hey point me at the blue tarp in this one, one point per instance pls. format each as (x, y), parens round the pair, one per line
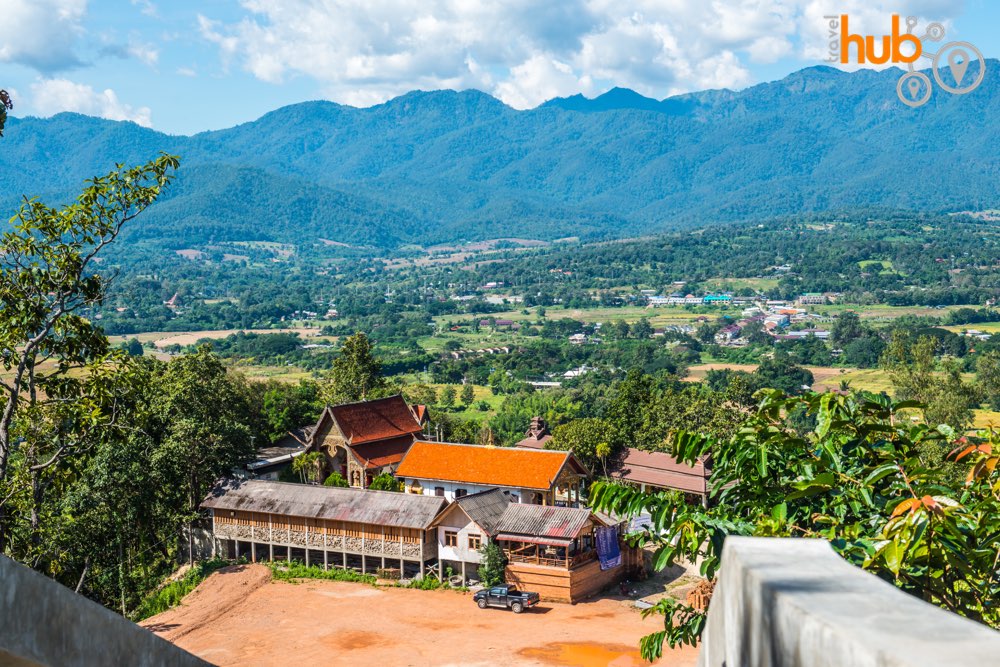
(607, 548)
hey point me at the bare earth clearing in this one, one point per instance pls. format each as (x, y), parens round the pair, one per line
(239, 617)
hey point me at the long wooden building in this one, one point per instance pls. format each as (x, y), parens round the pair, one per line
(327, 526)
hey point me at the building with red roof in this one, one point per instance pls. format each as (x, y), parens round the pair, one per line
(452, 470)
(362, 440)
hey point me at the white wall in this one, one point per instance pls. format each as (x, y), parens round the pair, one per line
(516, 495)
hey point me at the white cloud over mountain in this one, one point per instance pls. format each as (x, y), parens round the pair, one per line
(365, 51)
(50, 96)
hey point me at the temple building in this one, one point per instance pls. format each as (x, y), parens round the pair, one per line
(362, 440)
(451, 471)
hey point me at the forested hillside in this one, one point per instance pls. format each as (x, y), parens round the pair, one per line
(445, 166)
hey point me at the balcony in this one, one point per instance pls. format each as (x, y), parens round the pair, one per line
(796, 603)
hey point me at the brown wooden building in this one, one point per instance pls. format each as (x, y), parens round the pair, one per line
(328, 526)
(552, 550)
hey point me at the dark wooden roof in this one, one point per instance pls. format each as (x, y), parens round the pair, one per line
(378, 508)
(369, 421)
(663, 470)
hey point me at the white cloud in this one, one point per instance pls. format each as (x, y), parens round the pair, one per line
(187, 71)
(51, 96)
(41, 33)
(146, 53)
(365, 51)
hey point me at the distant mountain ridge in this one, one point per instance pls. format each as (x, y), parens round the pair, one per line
(446, 166)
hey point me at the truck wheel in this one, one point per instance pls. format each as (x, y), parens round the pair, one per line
(517, 607)
(482, 603)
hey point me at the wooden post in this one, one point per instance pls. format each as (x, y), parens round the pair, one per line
(326, 559)
(344, 556)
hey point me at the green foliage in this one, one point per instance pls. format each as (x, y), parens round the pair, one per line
(336, 479)
(988, 378)
(5, 105)
(170, 594)
(427, 583)
(492, 564)
(467, 395)
(294, 571)
(857, 479)
(589, 439)
(915, 374)
(447, 396)
(308, 466)
(356, 375)
(386, 482)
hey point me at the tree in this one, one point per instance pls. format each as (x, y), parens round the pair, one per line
(779, 372)
(945, 398)
(307, 466)
(385, 482)
(846, 329)
(5, 105)
(467, 395)
(642, 329)
(134, 348)
(336, 479)
(492, 564)
(356, 375)
(988, 378)
(589, 439)
(856, 479)
(447, 396)
(46, 280)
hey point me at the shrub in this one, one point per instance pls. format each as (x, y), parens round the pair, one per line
(170, 595)
(294, 570)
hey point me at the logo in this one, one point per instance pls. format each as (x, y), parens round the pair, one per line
(950, 64)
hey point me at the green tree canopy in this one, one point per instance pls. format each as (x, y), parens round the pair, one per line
(859, 479)
(356, 375)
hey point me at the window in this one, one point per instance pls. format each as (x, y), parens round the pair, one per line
(439, 491)
(451, 538)
(475, 541)
(461, 493)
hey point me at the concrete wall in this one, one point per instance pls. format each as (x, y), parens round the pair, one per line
(796, 603)
(44, 623)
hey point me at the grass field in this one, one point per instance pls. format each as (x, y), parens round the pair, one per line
(985, 327)
(166, 338)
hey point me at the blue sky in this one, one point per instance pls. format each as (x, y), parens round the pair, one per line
(183, 67)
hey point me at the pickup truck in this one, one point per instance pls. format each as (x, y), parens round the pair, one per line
(505, 596)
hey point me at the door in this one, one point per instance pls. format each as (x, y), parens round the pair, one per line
(497, 597)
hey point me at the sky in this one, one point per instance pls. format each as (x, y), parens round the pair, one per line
(183, 67)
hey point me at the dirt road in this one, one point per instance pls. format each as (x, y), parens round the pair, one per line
(239, 617)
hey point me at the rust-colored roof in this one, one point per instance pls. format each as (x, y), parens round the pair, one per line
(664, 470)
(532, 442)
(369, 421)
(537, 521)
(492, 466)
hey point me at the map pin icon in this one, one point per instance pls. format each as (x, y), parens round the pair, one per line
(914, 87)
(958, 62)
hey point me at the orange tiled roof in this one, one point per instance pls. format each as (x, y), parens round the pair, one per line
(368, 421)
(495, 466)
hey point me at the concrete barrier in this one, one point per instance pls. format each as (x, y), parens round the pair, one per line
(44, 623)
(796, 603)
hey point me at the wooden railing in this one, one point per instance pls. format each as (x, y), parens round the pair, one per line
(522, 556)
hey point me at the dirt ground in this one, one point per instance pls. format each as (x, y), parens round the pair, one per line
(238, 616)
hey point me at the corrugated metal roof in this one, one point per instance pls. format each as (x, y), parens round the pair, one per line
(380, 508)
(543, 521)
(485, 508)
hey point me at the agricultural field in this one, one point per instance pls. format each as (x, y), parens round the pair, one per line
(162, 339)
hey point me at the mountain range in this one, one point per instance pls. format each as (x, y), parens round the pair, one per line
(445, 166)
